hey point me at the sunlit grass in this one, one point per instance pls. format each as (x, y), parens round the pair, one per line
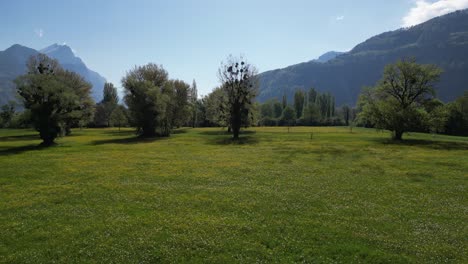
(310, 195)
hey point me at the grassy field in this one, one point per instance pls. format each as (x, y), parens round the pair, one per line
(321, 195)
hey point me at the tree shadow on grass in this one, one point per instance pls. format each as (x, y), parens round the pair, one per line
(130, 140)
(180, 131)
(21, 149)
(429, 144)
(242, 140)
(20, 138)
(120, 133)
(224, 132)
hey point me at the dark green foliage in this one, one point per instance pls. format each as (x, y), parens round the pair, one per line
(346, 110)
(266, 109)
(310, 108)
(216, 108)
(119, 116)
(193, 98)
(7, 113)
(457, 121)
(397, 102)
(144, 97)
(277, 109)
(179, 103)
(288, 117)
(299, 100)
(57, 99)
(156, 104)
(108, 104)
(240, 85)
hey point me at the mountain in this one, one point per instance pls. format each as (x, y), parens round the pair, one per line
(13, 63)
(328, 56)
(442, 41)
(67, 58)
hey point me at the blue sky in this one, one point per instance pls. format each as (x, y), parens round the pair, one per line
(191, 38)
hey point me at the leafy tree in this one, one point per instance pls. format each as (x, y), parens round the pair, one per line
(266, 109)
(299, 99)
(457, 123)
(326, 105)
(181, 111)
(346, 114)
(108, 104)
(277, 109)
(284, 102)
(240, 85)
(194, 104)
(312, 96)
(217, 111)
(311, 114)
(145, 98)
(55, 98)
(110, 101)
(7, 113)
(119, 116)
(396, 103)
(82, 115)
(438, 119)
(288, 116)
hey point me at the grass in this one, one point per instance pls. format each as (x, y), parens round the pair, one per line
(321, 195)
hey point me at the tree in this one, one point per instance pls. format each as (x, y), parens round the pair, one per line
(56, 98)
(181, 112)
(346, 114)
(119, 116)
(284, 102)
(266, 109)
(239, 82)
(457, 123)
(110, 101)
(145, 98)
(311, 114)
(217, 111)
(108, 104)
(82, 115)
(193, 103)
(299, 99)
(396, 103)
(7, 113)
(277, 109)
(288, 116)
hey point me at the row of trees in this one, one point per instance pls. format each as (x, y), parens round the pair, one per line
(308, 108)
(57, 100)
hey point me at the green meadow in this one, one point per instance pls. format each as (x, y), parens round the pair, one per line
(313, 195)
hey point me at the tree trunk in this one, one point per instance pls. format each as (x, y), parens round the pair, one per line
(235, 132)
(397, 135)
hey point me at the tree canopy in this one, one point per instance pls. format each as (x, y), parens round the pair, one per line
(397, 102)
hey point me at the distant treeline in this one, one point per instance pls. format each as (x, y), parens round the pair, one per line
(55, 100)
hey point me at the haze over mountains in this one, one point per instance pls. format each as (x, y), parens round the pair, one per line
(442, 41)
(13, 63)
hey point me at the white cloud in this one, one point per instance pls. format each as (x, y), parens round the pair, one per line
(339, 18)
(425, 10)
(39, 32)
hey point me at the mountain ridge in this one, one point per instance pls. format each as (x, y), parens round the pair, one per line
(13, 63)
(442, 41)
